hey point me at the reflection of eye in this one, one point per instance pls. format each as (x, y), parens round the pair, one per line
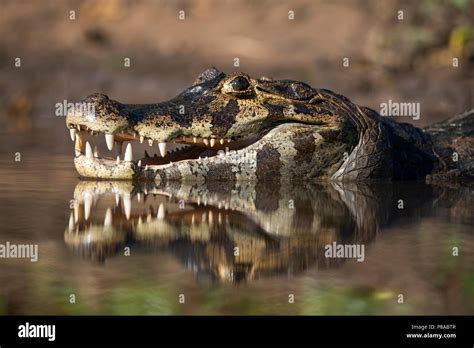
(240, 84)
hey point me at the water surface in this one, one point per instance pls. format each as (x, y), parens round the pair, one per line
(124, 248)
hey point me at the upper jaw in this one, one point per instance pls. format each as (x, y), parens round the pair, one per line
(126, 165)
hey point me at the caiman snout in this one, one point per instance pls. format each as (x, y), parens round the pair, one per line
(98, 113)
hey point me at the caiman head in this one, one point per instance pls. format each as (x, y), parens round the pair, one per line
(229, 127)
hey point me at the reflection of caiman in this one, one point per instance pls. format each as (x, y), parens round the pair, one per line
(233, 234)
(219, 234)
(237, 128)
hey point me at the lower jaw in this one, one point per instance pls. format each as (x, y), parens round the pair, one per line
(98, 168)
(94, 168)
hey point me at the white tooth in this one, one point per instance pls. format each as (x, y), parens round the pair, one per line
(78, 127)
(108, 218)
(194, 140)
(142, 139)
(162, 147)
(148, 218)
(87, 206)
(71, 222)
(219, 218)
(96, 152)
(117, 199)
(139, 197)
(203, 217)
(192, 219)
(117, 162)
(199, 201)
(72, 133)
(127, 205)
(161, 212)
(146, 167)
(76, 212)
(210, 217)
(140, 163)
(221, 141)
(109, 139)
(229, 140)
(78, 145)
(199, 159)
(88, 150)
(205, 141)
(128, 153)
(140, 221)
(213, 142)
(150, 142)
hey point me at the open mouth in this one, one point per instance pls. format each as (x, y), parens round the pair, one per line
(112, 156)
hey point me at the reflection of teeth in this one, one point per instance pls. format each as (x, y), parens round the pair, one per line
(221, 141)
(140, 163)
(117, 199)
(142, 139)
(219, 218)
(109, 139)
(210, 217)
(148, 218)
(150, 142)
(108, 218)
(127, 205)
(128, 153)
(139, 197)
(140, 221)
(205, 141)
(88, 150)
(87, 206)
(213, 142)
(194, 140)
(192, 219)
(162, 148)
(72, 133)
(161, 212)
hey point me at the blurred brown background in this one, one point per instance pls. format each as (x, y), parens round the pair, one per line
(403, 60)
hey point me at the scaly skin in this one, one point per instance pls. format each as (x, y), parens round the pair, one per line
(275, 130)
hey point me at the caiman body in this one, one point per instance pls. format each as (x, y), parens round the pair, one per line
(236, 128)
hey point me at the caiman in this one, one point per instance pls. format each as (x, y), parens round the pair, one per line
(236, 128)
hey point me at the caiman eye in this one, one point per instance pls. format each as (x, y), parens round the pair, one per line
(240, 84)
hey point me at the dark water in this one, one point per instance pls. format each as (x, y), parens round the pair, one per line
(252, 249)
